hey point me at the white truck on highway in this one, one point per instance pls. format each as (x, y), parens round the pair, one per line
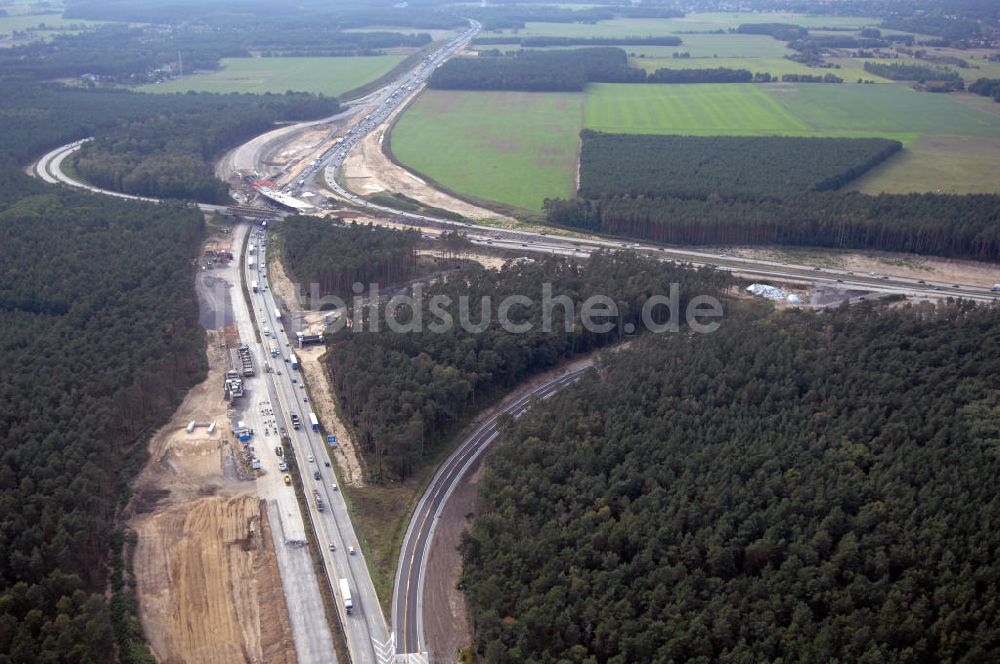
(345, 593)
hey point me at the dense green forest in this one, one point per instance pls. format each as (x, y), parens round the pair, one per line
(100, 343)
(617, 164)
(168, 154)
(334, 257)
(403, 391)
(534, 71)
(116, 53)
(986, 87)
(965, 226)
(780, 31)
(713, 75)
(797, 487)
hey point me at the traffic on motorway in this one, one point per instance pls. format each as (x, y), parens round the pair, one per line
(391, 98)
(367, 634)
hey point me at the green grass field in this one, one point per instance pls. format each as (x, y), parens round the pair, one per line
(516, 148)
(698, 109)
(892, 111)
(329, 76)
(883, 110)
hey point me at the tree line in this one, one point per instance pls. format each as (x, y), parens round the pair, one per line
(404, 392)
(571, 70)
(555, 71)
(634, 165)
(903, 71)
(750, 496)
(515, 16)
(168, 154)
(986, 87)
(542, 42)
(334, 257)
(960, 226)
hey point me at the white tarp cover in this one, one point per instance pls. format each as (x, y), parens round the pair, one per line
(773, 293)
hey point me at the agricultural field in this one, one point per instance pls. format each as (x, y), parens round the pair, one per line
(889, 111)
(329, 76)
(884, 110)
(944, 164)
(516, 148)
(977, 68)
(705, 109)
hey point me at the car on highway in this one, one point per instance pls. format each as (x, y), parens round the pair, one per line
(282, 466)
(351, 550)
(333, 547)
(288, 479)
(312, 459)
(333, 485)
(316, 475)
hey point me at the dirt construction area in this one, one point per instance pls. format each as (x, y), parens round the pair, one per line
(207, 579)
(209, 584)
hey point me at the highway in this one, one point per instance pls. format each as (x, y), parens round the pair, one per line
(408, 589)
(48, 169)
(258, 408)
(368, 638)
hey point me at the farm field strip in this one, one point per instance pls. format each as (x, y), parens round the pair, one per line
(516, 148)
(697, 109)
(322, 75)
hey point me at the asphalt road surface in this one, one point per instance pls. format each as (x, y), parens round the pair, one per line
(368, 638)
(408, 591)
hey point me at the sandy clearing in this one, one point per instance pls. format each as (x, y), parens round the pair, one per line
(210, 584)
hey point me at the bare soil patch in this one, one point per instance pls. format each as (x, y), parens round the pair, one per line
(208, 584)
